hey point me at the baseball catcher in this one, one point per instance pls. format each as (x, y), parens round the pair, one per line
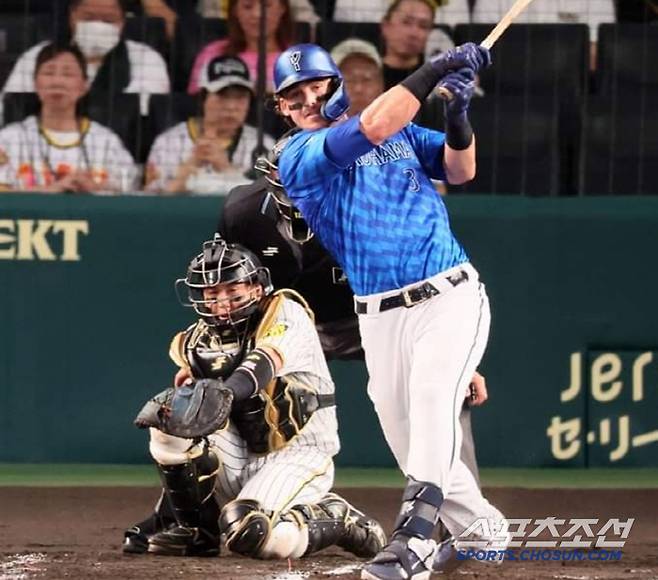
(244, 441)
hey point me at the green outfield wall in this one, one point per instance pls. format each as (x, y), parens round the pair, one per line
(87, 309)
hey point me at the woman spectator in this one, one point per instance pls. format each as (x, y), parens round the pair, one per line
(61, 151)
(112, 64)
(211, 153)
(242, 41)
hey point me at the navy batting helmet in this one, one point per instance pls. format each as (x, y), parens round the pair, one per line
(304, 62)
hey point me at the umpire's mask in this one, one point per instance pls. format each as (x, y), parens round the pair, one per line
(294, 224)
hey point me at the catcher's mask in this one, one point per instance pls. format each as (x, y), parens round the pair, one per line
(293, 223)
(222, 286)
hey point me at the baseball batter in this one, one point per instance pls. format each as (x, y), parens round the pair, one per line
(264, 479)
(363, 185)
(261, 217)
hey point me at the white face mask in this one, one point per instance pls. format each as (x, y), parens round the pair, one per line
(95, 38)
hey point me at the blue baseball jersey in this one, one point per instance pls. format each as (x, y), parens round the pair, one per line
(379, 215)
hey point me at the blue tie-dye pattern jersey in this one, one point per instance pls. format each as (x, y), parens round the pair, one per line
(380, 217)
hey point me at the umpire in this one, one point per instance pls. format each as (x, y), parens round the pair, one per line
(261, 217)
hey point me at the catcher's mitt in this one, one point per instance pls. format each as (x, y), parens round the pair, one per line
(190, 411)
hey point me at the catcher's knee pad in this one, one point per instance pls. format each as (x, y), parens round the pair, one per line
(169, 450)
(246, 525)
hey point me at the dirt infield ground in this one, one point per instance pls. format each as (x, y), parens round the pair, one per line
(76, 533)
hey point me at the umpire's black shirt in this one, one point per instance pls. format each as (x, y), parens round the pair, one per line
(307, 268)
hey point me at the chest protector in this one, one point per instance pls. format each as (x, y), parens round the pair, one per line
(276, 414)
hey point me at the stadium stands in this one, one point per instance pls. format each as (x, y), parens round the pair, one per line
(19, 32)
(627, 58)
(329, 34)
(545, 125)
(191, 35)
(518, 147)
(535, 59)
(619, 152)
(120, 113)
(148, 30)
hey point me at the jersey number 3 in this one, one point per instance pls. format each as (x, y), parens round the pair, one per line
(414, 186)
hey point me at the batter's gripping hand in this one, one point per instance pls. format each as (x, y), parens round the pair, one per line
(337, 104)
(194, 410)
(460, 85)
(469, 55)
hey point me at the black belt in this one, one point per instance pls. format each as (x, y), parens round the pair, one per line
(413, 296)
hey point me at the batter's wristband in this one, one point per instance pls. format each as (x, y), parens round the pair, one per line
(459, 133)
(422, 81)
(254, 374)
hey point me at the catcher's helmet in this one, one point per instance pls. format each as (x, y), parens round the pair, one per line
(294, 224)
(304, 62)
(220, 263)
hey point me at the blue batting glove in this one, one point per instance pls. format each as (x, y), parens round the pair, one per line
(461, 85)
(469, 55)
(337, 104)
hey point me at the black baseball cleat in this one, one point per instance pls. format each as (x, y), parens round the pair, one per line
(183, 541)
(135, 541)
(364, 537)
(136, 538)
(402, 560)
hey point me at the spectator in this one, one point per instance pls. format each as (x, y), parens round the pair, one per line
(242, 41)
(302, 10)
(162, 9)
(453, 12)
(361, 66)
(450, 12)
(591, 12)
(406, 27)
(61, 151)
(202, 155)
(637, 10)
(113, 65)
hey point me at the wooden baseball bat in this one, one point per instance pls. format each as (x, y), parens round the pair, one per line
(516, 9)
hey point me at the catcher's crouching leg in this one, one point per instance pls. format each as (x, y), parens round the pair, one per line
(363, 535)
(302, 530)
(334, 521)
(189, 488)
(248, 528)
(250, 531)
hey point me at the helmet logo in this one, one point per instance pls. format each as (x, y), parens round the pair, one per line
(295, 59)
